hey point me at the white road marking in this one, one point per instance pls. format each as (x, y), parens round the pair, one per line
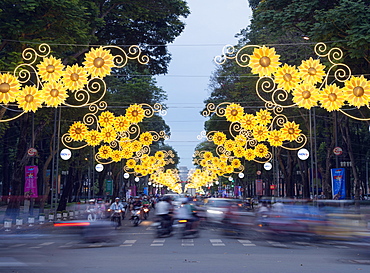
(128, 243)
(276, 244)
(246, 243)
(159, 242)
(216, 242)
(187, 242)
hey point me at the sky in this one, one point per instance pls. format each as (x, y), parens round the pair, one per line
(211, 25)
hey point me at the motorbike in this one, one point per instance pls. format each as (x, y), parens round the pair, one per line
(135, 218)
(146, 211)
(163, 227)
(185, 228)
(116, 217)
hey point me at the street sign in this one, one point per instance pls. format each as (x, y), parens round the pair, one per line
(303, 154)
(32, 152)
(109, 186)
(65, 154)
(337, 151)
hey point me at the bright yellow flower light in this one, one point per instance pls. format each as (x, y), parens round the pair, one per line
(287, 77)
(239, 151)
(263, 117)
(30, 99)
(127, 153)
(261, 150)
(74, 77)
(290, 131)
(306, 95)
(135, 113)
(93, 138)
(106, 119)
(332, 97)
(264, 61)
(234, 112)
(78, 131)
(357, 91)
(260, 133)
(207, 155)
(54, 93)
(249, 154)
(9, 88)
(108, 134)
(50, 69)
(116, 155)
(311, 71)
(236, 163)
(219, 138)
(159, 155)
(131, 163)
(146, 138)
(136, 146)
(275, 138)
(105, 151)
(121, 124)
(248, 121)
(229, 145)
(98, 62)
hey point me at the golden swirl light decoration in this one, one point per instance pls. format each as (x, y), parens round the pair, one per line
(116, 137)
(311, 84)
(253, 134)
(43, 80)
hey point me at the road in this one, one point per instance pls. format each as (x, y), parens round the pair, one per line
(137, 250)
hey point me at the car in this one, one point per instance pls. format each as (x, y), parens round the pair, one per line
(216, 208)
(176, 198)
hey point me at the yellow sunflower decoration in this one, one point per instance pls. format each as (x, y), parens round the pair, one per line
(234, 112)
(93, 138)
(135, 113)
(260, 133)
(219, 138)
(239, 151)
(74, 77)
(121, 124)
(287, 77)
(248, 121)
(108, 134)
(311, 71)
(30, 99)
(236, 163)
(106, 119)
(146, 138)
(159, 155)
(116, 155)
(264, 61)
(306, 96)
(78, 131)
(54, 93)
(131, 163)
(357, 91)
(275, 138)
(229, 145)
(50, 69)
(332, 97)
(290, 131)
(9, 88)
(249, 154)
(98, 62)
(127, 153)
(263, 117)
(136, 145)
(207, 155)
(261, 150)
(105, 151)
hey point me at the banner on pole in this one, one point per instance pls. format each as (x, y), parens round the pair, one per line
(259, 187)
(30, 185)
(338, 183)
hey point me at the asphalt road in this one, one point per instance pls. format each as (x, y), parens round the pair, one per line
(137, 250)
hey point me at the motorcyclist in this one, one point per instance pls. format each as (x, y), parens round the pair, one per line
(188, 212)
(91, 210)
(164, 210)
(137, 204)
(117, 205)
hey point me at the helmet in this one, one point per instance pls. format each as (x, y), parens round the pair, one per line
(117, 198)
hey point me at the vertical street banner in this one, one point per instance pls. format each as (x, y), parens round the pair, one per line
(30, 185)
(259, 187)
(108, 187)
(338, 183)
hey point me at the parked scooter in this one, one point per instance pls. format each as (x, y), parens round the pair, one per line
(135, 218)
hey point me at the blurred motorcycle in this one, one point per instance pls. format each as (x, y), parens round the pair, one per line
(135, 218)
(116, 217)
(146, 211)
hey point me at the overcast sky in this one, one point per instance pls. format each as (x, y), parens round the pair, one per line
(211, 25)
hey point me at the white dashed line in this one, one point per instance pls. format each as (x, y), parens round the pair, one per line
(158, 242)
(187, 242)
(128, 243)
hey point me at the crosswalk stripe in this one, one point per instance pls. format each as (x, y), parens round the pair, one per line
(158, 242)
(276, 244)
(216, 242)
(187, 242)
(246, 243)
(128, 243)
